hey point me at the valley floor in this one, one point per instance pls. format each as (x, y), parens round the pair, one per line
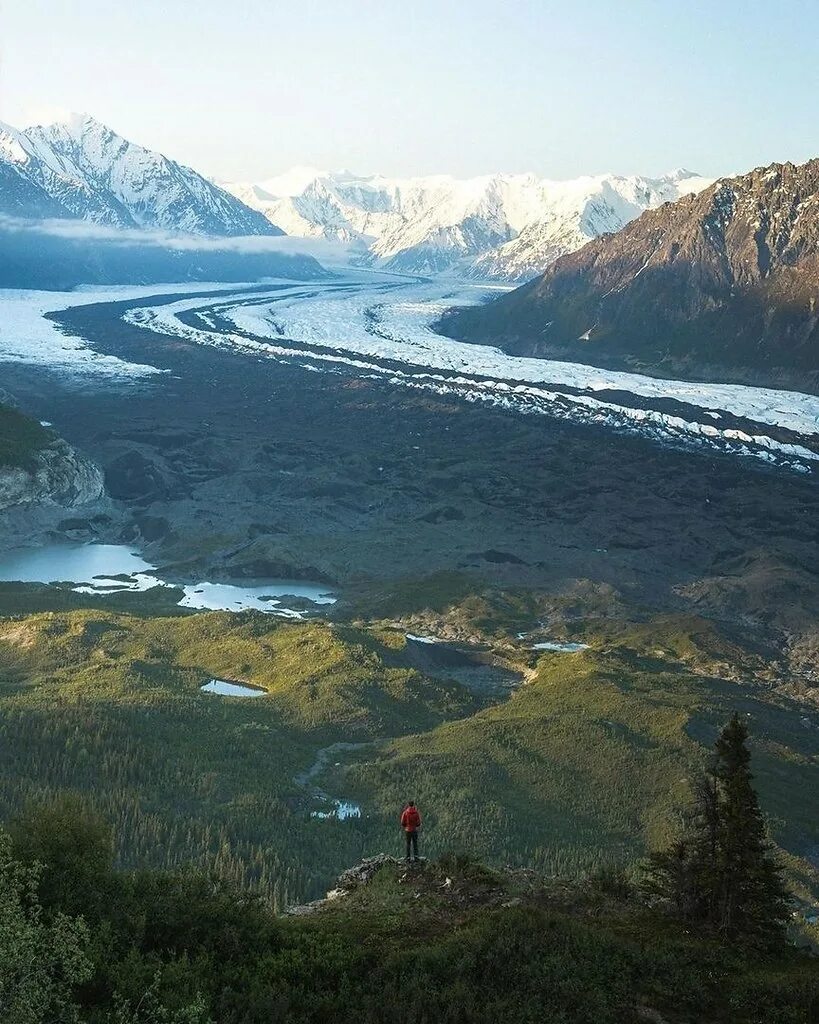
(367, 324)
(436, 499)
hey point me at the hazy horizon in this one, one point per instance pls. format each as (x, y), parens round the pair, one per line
(466, 89)
(57, 116)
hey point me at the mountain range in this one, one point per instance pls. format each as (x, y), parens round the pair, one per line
(497, 226)
(677, 275)
(82, 169)
(503, 226)
(723, 284)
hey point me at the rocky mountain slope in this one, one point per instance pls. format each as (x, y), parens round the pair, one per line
(496, 226)
(58, 476)
(720, 284)
(82, 169)
(38, 467)
(20, 194)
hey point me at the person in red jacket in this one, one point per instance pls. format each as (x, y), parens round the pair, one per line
(411, 824)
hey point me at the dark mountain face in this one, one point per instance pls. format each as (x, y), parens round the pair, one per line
(31, 257)
(20, 197)
(721, 284)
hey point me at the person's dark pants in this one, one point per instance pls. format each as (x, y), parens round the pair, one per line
(412, 844)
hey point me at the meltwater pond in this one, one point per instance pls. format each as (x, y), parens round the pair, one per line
(342, 810)
(225, 689)
(560, 646)
(264, 598)
(60, 563)
(116, 569)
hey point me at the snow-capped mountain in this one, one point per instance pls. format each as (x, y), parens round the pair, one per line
(496, 226)
(577, 211)
(718, 285)
(21, 194)
(79, 168)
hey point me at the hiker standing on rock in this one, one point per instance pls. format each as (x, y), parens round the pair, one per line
(411, 824)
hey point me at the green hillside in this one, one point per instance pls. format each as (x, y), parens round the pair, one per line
(109, 706)
(585, 764)
(20, 438)
(588, 762)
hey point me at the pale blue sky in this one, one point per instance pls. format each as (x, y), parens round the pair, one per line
(244, 89)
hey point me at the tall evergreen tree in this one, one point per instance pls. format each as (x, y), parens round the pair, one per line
(722, 873)
(41, 958)
(752, 901)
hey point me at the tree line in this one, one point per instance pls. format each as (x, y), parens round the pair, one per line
(705, 935)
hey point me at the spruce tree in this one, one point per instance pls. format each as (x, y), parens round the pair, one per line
(670, 875)
(721, 873)
(751, 900)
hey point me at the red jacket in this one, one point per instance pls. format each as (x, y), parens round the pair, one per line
(410, 819)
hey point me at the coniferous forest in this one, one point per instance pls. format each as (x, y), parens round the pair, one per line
(698, 931)
(409, 572)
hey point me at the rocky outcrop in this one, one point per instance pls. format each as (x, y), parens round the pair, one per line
(348, 881)
(723, 283)
(56, 475)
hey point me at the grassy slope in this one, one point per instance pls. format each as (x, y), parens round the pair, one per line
(586, 763)
(20, 438)
(109, 705)
(458, 943)
(558, 952)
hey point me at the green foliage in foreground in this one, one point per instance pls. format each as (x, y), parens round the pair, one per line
(20, 438)
(721, 873)
(109, 706)
(42, 956)
(586, 764)
(453, 942)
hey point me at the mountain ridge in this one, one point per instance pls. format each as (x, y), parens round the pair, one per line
(725, 282)
(81, 169)
(499, 226)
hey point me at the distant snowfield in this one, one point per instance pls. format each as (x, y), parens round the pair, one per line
(27, 337)
(379, 325)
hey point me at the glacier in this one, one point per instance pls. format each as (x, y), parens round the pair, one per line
(375, 325)
(381, 326)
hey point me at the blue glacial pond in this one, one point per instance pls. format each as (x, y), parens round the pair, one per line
(116, 569)
(562, 647)
(225, 689)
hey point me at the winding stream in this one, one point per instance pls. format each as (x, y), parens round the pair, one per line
(337, 808)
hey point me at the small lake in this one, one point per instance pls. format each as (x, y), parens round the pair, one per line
(226, 689)
(474, 668)
(264, 598)
(116, 569)
(563, 648)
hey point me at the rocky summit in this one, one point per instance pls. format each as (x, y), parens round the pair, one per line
(80, 168)
(719, 285)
